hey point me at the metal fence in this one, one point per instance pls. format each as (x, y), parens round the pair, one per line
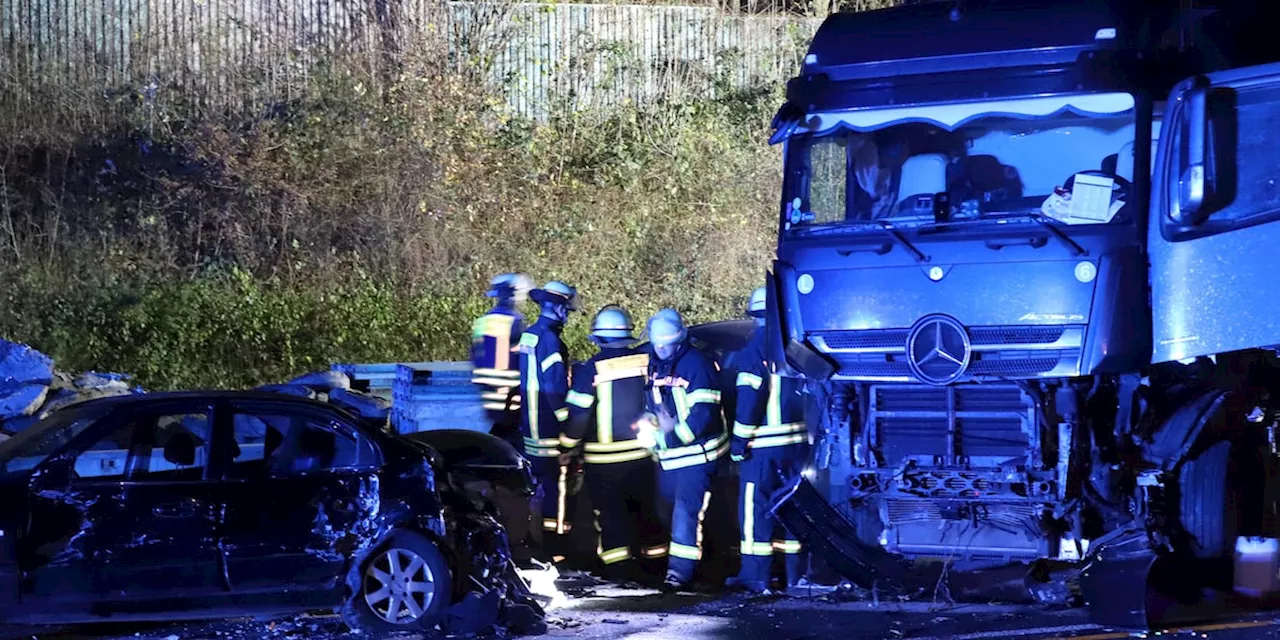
(541, 55)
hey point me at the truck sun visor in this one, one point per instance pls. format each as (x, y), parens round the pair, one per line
(952, 116)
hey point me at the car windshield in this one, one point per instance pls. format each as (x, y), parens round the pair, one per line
(1069, 158)
(34, 444)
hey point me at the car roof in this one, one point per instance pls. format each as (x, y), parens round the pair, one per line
(164, 397)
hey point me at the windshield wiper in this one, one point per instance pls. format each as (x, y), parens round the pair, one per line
(902, 240)
(1052, 228)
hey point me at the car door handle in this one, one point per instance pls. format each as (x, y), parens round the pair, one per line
(181, 509)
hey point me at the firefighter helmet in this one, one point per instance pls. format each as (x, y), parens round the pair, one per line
(613, 323)
(556, 292)
(510, 285)
(666, 328)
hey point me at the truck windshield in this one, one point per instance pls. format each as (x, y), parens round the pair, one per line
(1070, 158)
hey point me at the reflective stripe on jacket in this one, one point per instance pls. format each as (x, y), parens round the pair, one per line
(605, 405)
(770, 408)
(688, 387)
(495, 360)
(544, 379)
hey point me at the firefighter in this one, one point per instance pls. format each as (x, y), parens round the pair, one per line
(605, 404)
(495, 340)
(685, 428)
(544, 384)
(770, 443)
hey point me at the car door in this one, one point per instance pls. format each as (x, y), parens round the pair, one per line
(1213, 249)
(126, 518)
(302, 492)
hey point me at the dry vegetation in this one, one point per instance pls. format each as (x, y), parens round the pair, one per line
(360, 219)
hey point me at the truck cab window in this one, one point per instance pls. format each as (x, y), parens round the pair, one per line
(992, 160)
(1242, 190)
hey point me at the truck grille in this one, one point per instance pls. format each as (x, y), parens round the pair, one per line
(950, 423)
(897, 338)
(998, 351)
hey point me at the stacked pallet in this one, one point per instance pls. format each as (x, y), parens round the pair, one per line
(439, 395)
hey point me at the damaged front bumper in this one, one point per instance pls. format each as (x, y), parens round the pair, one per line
(829, 535)
(491, 589)
(1126, 581)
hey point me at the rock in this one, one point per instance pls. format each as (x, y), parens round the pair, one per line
(288, 389)
(323, 381)
(93, 380)
(362, 404)
(22, 364)
(18, 399)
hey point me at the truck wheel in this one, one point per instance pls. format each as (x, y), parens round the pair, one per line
(404, 584)
(1208, 503)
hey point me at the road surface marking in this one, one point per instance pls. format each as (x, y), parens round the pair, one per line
(1014, 633)
(1226, 626)
(1059, 632)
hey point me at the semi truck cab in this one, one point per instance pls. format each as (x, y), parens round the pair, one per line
(1023, 256)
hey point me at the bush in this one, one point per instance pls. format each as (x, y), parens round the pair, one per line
(361, 220)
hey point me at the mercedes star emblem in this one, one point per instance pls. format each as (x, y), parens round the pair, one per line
(938, 350)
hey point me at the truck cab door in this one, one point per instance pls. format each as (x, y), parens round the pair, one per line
(1214, 232)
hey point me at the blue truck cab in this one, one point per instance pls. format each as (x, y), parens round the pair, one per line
(1026, 257)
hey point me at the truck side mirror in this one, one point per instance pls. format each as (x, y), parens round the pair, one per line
(1191, 179)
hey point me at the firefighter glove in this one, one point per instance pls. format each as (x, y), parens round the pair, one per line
(738, 450)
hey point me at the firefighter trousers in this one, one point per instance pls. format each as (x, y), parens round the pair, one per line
(686, 494)
(624, 497)
(760, 475)
(553, 515)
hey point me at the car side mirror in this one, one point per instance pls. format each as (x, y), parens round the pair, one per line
(1191, 177)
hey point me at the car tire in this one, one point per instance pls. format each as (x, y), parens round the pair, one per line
(1208, 510)
(404, 584)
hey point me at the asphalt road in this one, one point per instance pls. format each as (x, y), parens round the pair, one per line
(646, 615)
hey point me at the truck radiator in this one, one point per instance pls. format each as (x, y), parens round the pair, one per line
(951, 424)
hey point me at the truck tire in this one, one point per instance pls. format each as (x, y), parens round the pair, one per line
(1208, 510)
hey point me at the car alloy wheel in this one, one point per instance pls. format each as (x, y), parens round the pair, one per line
(399, 586)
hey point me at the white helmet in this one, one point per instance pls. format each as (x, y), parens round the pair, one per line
(755, 308)
(666, 328)
(556, 292)
(613, 323)
(510, 285)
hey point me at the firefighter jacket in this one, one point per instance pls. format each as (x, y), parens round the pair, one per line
(770, 408)
(605, 404)
(544, 381)
(688, 387)
(495, 361)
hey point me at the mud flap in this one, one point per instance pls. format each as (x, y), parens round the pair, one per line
(1128, 585)
(828, 535)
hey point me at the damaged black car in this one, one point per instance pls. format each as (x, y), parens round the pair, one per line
(219, 504)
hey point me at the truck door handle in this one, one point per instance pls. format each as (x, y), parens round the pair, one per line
(878, 249)
(180, 509)
(1035, 242)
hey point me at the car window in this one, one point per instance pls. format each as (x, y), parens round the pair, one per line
(150, 447)
(33, 445)
(283, 444)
